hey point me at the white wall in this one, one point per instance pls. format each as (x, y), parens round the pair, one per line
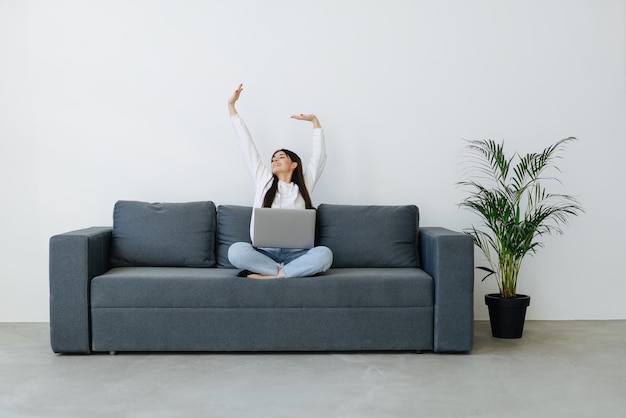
(108, 100)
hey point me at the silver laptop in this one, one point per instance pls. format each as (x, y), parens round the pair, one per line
(283, 228)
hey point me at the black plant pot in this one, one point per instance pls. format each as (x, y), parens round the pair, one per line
(507, 315)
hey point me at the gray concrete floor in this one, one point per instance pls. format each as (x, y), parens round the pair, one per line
(558, 369)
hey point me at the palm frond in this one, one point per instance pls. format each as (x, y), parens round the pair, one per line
(515, 207)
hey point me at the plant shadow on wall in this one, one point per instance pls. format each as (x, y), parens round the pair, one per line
(511, 197)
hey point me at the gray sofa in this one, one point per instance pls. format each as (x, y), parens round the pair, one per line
(160, 280)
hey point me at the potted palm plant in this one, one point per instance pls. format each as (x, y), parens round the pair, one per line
(516, 210)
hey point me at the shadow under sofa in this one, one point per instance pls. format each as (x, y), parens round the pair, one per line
(160, 280)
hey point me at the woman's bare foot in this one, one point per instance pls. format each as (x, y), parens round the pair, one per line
(261, 276)
(279, 275)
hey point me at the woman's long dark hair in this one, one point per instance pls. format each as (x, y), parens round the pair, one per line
(297, 178)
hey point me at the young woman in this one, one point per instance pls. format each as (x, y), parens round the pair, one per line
(285, 185)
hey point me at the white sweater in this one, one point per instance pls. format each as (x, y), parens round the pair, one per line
(288, 194)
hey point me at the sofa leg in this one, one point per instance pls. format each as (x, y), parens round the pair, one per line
(419, 351)
(112, 353)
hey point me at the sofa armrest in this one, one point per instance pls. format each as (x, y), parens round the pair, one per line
(75, 258)
(448, 256)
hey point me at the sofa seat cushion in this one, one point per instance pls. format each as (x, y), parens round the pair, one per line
(167, 287)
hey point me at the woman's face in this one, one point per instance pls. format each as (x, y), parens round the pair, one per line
(282, 163)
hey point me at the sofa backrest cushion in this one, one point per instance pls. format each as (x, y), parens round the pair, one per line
(163, 234)
(233, 225)
(369, 236)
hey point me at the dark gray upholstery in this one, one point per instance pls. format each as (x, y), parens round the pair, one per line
(160, 287)
(163, 234)
(260, 329)
(233, 225)
(94, 307)
(454, 286)
(369, 236)
(75, 258)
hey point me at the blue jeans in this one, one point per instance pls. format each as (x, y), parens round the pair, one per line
(267, 261)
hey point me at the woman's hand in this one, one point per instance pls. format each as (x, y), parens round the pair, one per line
(310, 118)
(233, 99)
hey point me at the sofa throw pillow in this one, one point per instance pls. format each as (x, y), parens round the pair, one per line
(163, 234)
(233, 225)
(369, 236)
